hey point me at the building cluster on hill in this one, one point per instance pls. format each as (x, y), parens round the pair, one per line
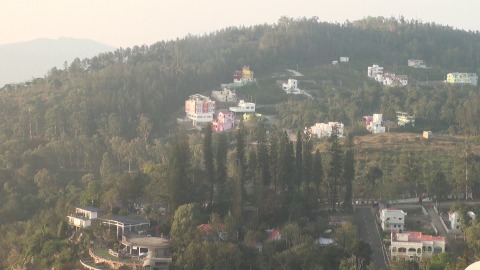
(408, 245)
(462, 78)
(376, 73)
(202, 110)
(137, 249)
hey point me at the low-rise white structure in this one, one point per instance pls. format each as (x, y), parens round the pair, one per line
(390, 79)
(462, 78)
(416, 63)
(374, 124)
(344, 59)
(322, 130)
(375, 72)
(415, 246)
(291, 87)
(243, 107)
(83, 216)
(456, 222)
(226, 95)
(392, 219)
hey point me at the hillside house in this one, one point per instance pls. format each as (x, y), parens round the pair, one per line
(199, 109)
(344, 59)
(390, 79)
(416, 63)
(226, 95)
(83, 216)
(375, 72)
(374, 124)
(392, 219)
(243, 107)
(456, 222)
(415, 246)
(125, 224)
(291, 87)
(155, 251)
(322, 130)
(404, 119)
(462, 78)
(224, 122)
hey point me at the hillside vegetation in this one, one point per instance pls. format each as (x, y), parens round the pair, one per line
(99, 132)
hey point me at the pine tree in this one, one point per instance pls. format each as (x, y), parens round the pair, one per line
(349, 172)
(335, 167)
(307, 161)
(221, 166)
(298, 160)
(317, 172)
(208, 160)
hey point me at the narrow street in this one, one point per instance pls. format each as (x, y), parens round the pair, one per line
(369, 233)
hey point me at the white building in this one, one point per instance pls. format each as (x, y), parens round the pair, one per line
(416, 63)
(226, 95)
(291, 87)
(374, 124)
(462, 78)
(83, 216)
(415, 245)
(322, 130)
(392, 219)
(455, 222)
(390, 79)
(344, 59)
(199, 109)
(375, 72)
(243, 107)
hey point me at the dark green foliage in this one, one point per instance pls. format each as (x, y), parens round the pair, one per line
(348, 172)
(335, 169)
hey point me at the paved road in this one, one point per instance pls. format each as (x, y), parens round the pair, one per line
(368, 232)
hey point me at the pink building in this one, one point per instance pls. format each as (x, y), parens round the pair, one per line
(199, 109)
(223, 122)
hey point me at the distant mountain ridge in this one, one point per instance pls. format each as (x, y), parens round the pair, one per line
(23, 61)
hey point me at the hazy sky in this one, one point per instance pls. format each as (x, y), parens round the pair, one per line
(123, 23)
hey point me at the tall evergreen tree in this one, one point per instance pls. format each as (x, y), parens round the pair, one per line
(179, 181)
(221, 165)
(317, 172)
(335, 167)
(263, 156)
(208, 160)
(298, 160)
(307, 161)
(349, 172)
(273, 152)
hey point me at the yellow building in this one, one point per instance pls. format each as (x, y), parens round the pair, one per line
(247, 74)
(462, 78)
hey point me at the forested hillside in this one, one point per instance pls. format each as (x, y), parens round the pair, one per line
(101, 132)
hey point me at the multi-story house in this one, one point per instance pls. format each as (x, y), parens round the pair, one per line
(224, 122)
(374, 123)
(462, 78)
(392, 219)
(199, 109)
(83, 216)
(322, 130)
(226, 95)
(243, 107)
(415, 245)
(375, 72)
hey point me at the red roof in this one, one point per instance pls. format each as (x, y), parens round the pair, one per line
(274, 235)
(416, 237)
